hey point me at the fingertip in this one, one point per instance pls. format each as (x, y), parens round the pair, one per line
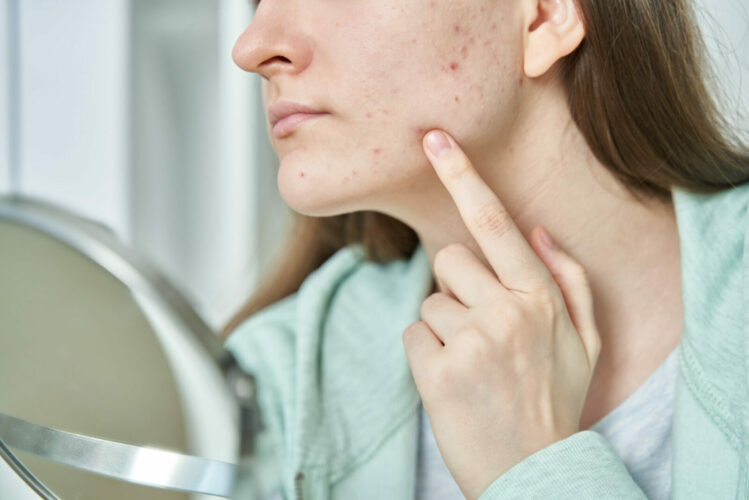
(547, 240)
(437, 143)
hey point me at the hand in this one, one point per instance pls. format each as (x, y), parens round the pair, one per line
(503, 361)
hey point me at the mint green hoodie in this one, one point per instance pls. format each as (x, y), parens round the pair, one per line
(340, 408)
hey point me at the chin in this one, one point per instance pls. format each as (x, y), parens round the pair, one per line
(307, 192)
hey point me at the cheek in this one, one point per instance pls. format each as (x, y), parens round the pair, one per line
(402, 81)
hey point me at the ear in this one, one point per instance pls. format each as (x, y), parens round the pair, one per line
(554, 29)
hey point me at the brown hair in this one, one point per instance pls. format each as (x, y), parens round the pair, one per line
(637, 91)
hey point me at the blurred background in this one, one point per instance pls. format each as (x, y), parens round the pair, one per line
(132, 113)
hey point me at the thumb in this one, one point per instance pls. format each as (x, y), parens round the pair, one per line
(572, 280)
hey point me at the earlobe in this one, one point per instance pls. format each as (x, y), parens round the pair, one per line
(555, 31)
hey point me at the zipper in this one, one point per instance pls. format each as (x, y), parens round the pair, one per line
(298, 484)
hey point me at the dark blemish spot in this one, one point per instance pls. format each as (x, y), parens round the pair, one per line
(520, 81)
(353, 172)
(457, 99)
(463, 50)
(453, 66)
(420, 131)
(457, 29)
(369, 115)
(494, 26)
(486, 43)
(471, 40)
(346, 179)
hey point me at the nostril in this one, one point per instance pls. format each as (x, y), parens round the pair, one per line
(279, 58)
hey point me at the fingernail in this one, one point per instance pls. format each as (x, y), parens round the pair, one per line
(438, 143)
(546, 237)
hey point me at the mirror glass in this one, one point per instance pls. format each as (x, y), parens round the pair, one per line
(93, 346)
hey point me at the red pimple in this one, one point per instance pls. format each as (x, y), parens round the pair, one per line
(453, 66)
(457, 29)
(345, 179)
(463, 50)
(376, 151)
(369, 115)
(494, 26)
(301, 174)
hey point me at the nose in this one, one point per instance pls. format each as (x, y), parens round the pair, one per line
(273, 43)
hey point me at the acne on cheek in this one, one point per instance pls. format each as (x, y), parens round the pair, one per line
(346, 178)
(460, 32)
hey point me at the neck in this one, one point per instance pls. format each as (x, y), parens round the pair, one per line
(545, 174)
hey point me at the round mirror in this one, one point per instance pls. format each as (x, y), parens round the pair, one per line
(111, 386)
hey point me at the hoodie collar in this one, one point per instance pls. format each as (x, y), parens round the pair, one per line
(354, 384)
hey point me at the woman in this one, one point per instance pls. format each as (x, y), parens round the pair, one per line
(418, 337)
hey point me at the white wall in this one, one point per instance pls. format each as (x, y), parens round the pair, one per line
(255, 214)
(73, 136)
(204, 203)
(6, 45)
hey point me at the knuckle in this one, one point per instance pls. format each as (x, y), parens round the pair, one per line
(577, 272)
(475, 346)
(412, 329)
(513, 318)
(447, 255)
(493, 219)
(429, 303)
(455, 170)
(578, 269)
(548, 299)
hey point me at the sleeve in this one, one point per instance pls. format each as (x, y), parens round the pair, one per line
(259, 476)
(264, 347)
(581, 466)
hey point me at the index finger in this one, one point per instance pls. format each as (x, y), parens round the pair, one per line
(514, 261)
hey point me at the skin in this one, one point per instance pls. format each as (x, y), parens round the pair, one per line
(388, 71)
(502, 361)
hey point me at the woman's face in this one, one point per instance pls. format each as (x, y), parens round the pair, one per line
(385, 71)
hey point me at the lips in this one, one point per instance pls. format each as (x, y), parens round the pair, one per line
(282, 109)
(285, 116)
(287, 125)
